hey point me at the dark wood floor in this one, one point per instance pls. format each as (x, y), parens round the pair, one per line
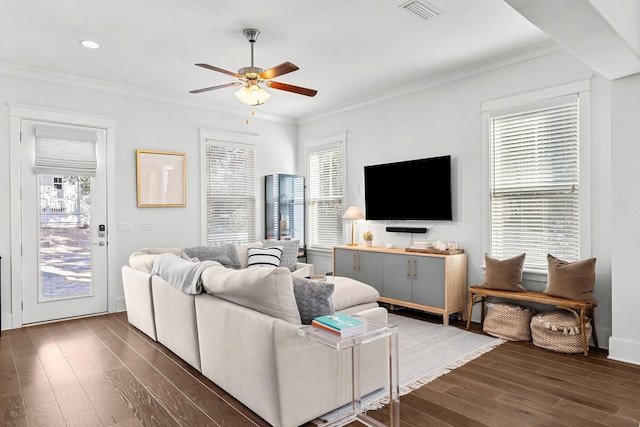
(102, 371)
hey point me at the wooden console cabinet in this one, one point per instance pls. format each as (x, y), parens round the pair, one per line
(433, 283)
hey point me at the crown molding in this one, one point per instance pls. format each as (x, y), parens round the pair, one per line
(87, 83)
(522, 55)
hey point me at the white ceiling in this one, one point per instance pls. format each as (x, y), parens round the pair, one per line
(346, 49)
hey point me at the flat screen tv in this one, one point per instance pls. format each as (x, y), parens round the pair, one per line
(410, 190)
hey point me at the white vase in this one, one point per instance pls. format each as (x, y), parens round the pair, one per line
(368, 242)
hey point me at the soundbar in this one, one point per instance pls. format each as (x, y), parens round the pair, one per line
(407, 229)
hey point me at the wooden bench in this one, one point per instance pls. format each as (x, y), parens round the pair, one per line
(580, 309)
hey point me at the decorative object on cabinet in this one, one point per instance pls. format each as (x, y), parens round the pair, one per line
(353, 213)
(368, 238)
(161, 179)
(284, 208)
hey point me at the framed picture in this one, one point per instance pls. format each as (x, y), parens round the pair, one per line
(161, 179)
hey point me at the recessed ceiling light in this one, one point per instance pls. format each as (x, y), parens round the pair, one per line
(90, 44)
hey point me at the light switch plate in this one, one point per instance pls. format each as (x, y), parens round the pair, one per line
(125, 226)
(148, 226)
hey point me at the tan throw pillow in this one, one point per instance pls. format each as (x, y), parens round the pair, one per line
(505, 275)
(572, 280)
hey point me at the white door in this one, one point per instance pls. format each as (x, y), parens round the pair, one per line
(64, 236)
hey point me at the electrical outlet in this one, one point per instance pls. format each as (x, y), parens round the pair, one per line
(125, 226)
(148, 226)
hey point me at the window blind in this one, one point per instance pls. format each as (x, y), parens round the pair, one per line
(535, 184)
(65, 151)
(230, 189)
(325, 168)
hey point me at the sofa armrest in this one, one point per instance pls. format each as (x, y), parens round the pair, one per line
(303, 270)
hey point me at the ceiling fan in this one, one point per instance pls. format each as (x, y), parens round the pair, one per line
(251, 78)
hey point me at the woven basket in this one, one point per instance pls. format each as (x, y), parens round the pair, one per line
(558, 330)
(508, 321)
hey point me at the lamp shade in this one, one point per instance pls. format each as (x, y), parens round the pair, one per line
(353, 213)
(252, 94)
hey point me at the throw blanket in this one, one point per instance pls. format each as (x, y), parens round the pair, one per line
(184, 275)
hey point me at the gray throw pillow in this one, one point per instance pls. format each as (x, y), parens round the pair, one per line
(313, 298)
(225, 254)
(289, 252)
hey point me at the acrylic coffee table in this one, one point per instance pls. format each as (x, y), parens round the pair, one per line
(373, 332)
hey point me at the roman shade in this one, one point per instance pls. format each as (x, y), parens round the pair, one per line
(65, 150)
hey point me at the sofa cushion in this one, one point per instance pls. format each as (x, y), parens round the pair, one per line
(224, 254)
(242, 252)
(313, 298)
(573, 280)
(504, 274)
(144, 258)
(264, 257)
(266, 290)
(289, 252)
(348, 292)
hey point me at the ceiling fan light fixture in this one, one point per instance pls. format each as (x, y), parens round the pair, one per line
(252, 94)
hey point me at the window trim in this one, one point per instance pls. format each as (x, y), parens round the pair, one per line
(522, 100)
(337, 140)
(231, 139)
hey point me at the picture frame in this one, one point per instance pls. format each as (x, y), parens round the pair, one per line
(161, 179)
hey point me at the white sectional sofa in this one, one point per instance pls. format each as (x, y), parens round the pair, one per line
(242, 334)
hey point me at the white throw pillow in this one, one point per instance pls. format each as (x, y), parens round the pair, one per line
(264, 257)
(242, 252)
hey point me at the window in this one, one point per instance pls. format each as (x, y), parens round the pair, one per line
(535, 184)
(230, 188)
(325, 177)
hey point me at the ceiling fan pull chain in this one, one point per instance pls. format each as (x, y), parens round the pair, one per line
(253, 113)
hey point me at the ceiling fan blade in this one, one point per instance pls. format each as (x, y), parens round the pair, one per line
(278, 70)
(291, 88)
(206, 89)
(220, 70)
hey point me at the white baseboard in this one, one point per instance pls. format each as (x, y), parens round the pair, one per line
(624, 350)
(121, 305)
(7, 321)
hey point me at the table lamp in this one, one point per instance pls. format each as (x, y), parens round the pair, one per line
(352, 213)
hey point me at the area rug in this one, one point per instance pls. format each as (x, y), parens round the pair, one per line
(427, 351)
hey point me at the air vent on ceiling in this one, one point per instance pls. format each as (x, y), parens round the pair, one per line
(424, 10)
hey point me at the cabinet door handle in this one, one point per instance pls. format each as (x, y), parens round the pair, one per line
(358, 262)
(415, 268)
(408, 267)
(353, 261)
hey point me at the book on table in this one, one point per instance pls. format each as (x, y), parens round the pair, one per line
(341, 324)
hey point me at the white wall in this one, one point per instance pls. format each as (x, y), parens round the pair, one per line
(446, 119)
(141, 123)
(625, 101)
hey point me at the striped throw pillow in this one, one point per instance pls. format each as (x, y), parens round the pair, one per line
(264, 257)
